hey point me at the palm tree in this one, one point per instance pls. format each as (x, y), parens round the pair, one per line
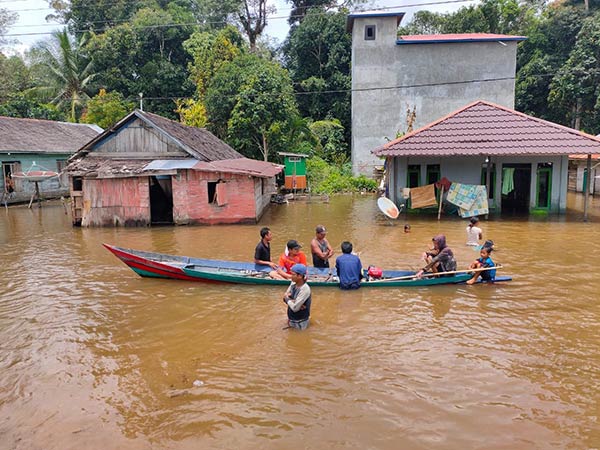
(67, 72)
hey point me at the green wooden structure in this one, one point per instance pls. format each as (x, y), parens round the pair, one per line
(295, 171)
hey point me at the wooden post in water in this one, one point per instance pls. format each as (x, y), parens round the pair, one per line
(488, 178)
(586, 188)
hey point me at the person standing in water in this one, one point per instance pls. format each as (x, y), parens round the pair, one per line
(474, 233)
(298, 298)
(320, 248)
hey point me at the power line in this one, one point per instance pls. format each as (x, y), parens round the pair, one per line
(203, 23)
(370, 89)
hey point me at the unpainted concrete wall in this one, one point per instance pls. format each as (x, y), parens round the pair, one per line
(433, 79)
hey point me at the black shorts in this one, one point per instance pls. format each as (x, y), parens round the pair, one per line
(486, 275)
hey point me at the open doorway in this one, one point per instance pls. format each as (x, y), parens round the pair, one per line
(161, 200)
(516, 188)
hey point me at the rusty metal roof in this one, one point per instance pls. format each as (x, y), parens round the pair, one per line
(484, 128)
(43, 136)
(243, 166)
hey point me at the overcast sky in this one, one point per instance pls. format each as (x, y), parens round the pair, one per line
(32, 25)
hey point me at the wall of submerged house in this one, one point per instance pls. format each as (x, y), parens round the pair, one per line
(539, 182)
(16, 162)
(263, 189)
(115, 202)
(211, 198)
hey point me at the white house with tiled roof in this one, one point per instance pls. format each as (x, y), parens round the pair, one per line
(392, 77)
(462, 145)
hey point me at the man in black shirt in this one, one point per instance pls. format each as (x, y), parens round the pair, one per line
(262, 253)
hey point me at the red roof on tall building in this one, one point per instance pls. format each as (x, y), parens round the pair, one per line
(456, 38)
(483, 128)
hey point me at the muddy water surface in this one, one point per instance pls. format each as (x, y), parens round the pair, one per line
(93, 356)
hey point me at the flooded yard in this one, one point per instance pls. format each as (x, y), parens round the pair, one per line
(93, 356)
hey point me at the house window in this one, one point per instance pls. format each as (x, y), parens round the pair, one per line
(369, 32)
(8, 168)
(77, 183)
(413, 176)
(433, 173)
(544, 185)
(492, 179)
(212, 191)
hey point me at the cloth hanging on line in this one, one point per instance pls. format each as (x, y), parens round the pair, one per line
(444, 183)
(508, 180)
(423, 196)
(462, 195)
(479, 206)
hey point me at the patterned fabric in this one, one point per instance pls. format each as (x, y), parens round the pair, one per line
(479, 206)
(421, 197)
(462, 195)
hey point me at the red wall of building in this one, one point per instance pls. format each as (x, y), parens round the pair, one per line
(190, 198)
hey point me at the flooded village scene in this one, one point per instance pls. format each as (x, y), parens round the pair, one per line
(375, 229)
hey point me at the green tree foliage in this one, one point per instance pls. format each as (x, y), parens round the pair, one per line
(146, 56)
(106, 109)
(19, 105)
(210, 51)
(7, 18)
(317, 54)
(246, 99)
(252, 16)
(539, 58)
(67, 73)
(332, 146)
(576, 87)
(15, 76)
(301, 7)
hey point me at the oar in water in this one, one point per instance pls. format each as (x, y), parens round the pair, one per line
(433, 274)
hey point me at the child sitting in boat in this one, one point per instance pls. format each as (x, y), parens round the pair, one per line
(483, 261)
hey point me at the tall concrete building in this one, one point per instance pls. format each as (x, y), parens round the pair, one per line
(425, 76)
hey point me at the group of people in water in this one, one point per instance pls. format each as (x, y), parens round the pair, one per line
(293, 265)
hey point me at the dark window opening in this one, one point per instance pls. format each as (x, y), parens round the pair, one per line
(413, 178)
(433, 173)
(544, 185)
(212, 191)
(77, 183)
(369, 32)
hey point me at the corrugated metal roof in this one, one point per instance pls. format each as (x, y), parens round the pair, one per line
(243, 166)
(43, 136)
(456, 38)
(170, 164)
(483, 128)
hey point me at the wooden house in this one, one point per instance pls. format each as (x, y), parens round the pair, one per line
(46, 143)
(522, 160)
(148, 170)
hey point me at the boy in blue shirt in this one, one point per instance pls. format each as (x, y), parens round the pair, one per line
(484, 260)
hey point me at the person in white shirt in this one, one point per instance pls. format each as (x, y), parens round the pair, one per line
(474, 233)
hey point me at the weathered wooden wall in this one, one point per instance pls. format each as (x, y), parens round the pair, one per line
(136, 137)
(116, 202)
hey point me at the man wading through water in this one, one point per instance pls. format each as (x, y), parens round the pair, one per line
(298, 299)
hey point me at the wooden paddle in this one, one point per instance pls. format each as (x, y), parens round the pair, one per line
(433, 274)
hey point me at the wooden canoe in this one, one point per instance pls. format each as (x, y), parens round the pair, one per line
(161, 265)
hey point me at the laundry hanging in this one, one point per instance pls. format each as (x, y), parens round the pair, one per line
(423, 196)
(508, 180)
(479, 206)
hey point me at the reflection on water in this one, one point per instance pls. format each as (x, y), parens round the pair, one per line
(92, 355)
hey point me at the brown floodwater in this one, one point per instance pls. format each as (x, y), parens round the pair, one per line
(93, 356)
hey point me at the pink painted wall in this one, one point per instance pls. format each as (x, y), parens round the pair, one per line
(126, 201)
(116, 202)
(190, 199)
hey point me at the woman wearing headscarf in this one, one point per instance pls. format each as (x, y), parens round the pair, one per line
(440, 259)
